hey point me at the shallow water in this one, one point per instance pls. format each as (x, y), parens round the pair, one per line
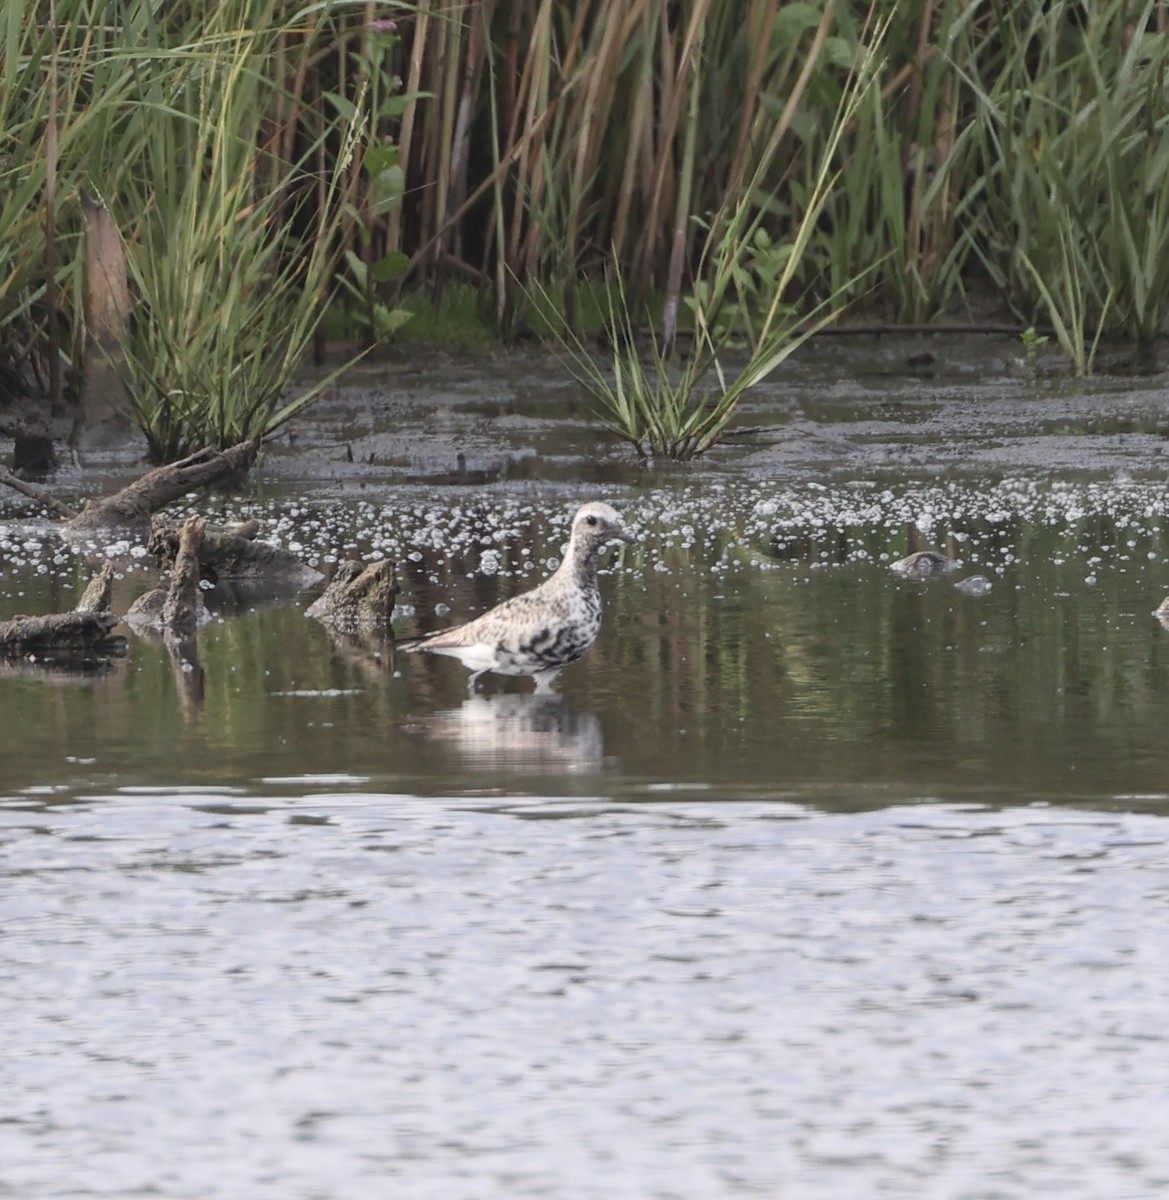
(813, 881)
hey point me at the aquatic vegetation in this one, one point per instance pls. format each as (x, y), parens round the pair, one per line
(229, 261)
(1006, 154)
(1074, 215)
(231, 225)
(741, 295)
(894, 228)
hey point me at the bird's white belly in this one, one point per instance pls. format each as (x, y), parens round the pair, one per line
(477, 657)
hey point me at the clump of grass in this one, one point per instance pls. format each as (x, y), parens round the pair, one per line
(679, 406)
(229, 263)
(459, 317)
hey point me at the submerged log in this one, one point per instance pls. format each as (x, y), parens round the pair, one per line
(360, 596)
(84, 632)
(71, 631)
(232, 553)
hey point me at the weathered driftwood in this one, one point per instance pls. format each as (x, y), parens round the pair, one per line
(97, 594)
(184, 601)
(360, 596)
(231, 553)
(41, 495)
(177, 608)
(132, 507)
(175, 613)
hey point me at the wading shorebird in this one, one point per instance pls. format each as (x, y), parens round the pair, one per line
(540, 632)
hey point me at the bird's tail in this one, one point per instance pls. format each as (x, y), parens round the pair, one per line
(409, 644)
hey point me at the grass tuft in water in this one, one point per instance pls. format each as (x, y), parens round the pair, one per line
(678, 403)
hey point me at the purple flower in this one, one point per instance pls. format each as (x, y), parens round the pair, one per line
(383, 25)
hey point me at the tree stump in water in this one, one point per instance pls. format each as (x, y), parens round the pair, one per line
(178, 608)
(360, 596)
(32, 447)
(356, 608)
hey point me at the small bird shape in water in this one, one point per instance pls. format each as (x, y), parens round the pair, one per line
(542, 631)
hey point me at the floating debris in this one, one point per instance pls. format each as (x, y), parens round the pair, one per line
(925, 564)
(973, 585)
(75, 638)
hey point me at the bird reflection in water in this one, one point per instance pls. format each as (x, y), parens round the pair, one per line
(533, 731)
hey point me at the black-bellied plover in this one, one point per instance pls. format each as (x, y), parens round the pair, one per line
(542, 631)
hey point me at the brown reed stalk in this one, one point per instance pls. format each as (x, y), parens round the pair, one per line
(409, 119)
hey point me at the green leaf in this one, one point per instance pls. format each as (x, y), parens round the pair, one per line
(387, 187)
(344, 106)
(392, 266)
(395, 106)
(380, 158)
(389, 320)
(356, 268)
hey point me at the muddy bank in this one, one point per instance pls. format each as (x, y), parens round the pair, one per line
(849, 407)
(846, 408)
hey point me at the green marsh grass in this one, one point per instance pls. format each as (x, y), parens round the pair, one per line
(228, 290)
(1074, 212)
(554, 145)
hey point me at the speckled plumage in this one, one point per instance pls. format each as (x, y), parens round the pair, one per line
(542, 631)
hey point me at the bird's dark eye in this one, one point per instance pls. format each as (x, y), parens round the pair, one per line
(590, 520)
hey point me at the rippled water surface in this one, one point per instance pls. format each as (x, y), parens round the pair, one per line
(813, 881)
(351, 994)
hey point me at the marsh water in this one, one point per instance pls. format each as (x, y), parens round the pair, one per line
(811, 881)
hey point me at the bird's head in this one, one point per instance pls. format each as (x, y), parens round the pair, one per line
(597, 523)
